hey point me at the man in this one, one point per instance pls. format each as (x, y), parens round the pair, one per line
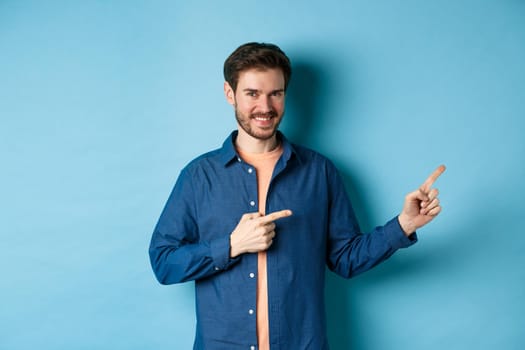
(255, 222)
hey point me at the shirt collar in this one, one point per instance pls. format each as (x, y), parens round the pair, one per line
(228, 153)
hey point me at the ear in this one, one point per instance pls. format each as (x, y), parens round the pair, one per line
(229, 93)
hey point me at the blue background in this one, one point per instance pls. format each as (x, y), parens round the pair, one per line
(103, 102)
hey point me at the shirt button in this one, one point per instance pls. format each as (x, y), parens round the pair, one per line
(252, 203)
(216, 268)
(239, 159)
(252, 275)
(250, 170)
(250, 312)
(252, 347)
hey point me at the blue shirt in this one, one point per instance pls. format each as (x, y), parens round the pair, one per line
(191, 241)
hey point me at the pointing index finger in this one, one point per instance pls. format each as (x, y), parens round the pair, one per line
(276, 215)
(432, 178)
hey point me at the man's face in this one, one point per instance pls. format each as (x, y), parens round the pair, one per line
(258, 101)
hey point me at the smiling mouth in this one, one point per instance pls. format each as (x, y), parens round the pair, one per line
(262, 119)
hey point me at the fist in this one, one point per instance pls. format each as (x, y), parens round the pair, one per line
(254, 232)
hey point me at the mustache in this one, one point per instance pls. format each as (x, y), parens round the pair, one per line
(269, 114)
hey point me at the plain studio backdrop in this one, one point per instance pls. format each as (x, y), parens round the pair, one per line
(103, 102)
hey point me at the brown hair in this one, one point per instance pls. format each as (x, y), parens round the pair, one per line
(258, 56)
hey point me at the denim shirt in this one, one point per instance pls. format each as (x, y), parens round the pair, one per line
(191, 241)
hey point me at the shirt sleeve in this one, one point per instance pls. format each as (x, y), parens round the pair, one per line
(176, 252)
(351, 252)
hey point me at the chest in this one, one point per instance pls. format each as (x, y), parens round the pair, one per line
(225, 195)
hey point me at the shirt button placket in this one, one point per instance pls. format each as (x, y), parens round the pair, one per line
(250, 171)
(252, 275)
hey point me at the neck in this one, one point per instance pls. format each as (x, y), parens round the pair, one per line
(251, 144)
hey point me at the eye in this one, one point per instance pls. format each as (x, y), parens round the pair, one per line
(277, 93)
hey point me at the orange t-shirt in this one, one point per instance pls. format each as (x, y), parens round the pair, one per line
(264, 163)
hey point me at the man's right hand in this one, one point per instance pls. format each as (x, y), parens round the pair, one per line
(255, 232)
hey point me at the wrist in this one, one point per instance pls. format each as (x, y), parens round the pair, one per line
(406, 224)
(233, 247)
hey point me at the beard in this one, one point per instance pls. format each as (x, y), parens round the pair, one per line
(258, 133)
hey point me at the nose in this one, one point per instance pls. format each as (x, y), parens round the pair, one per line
(264, 104)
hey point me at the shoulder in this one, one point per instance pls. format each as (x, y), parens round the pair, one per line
(311, 157)
(214, 159)
(206, 160)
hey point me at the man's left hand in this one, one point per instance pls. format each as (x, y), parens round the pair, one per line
(422, 205)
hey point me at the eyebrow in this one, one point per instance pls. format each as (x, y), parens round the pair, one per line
(259, 91)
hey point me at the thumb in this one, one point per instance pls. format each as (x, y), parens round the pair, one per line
(250, 216)
(416, 196)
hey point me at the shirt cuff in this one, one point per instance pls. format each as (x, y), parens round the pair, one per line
(220, 253)
(396, 236)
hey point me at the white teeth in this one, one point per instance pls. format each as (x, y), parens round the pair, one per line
(262, 119)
